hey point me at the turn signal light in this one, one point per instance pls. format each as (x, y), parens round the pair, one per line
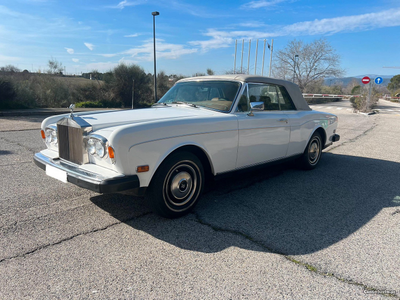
(110, 152)
(142, 169)
(43, 134)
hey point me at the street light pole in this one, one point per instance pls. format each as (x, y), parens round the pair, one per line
(155, 13)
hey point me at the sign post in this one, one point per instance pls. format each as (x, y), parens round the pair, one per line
(366, 80)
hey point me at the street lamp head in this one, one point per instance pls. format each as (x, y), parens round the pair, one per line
(155, 13)
(296, 56)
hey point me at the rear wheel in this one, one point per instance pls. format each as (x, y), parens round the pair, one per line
(176, 185)
(312, 154)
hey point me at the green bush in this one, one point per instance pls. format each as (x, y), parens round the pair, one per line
(89, 104)
(7, 93)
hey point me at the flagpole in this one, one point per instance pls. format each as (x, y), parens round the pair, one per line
(270, 58)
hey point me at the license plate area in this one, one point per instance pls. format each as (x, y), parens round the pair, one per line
(56, 173)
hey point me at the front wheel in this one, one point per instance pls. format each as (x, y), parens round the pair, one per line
(312, 154)
(176, 185)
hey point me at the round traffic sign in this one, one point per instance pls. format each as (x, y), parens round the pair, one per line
(365, 80)
(378, 80)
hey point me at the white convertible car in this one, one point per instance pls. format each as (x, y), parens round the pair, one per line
(202, 127)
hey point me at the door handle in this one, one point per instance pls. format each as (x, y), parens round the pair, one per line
(283, 120)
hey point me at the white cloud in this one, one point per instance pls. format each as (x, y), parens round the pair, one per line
(70, 50)
(131, 35)
(387, 18)
(75, 60)
(4, 59)
(90, 46)
(121, 5)
(164, 50)
(222, 39)
(261, 4)
(252, 24)
(109, 55)
(219, 39)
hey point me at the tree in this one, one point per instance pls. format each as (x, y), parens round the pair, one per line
(210, 72)
(10, 68)
(163, 84)
(122, 84)
(55, 67)
(394, 83)
(307, 63)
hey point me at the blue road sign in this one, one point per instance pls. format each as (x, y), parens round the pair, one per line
(378, 80)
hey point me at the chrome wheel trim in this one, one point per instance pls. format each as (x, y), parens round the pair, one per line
(314, 150)
(182, 186)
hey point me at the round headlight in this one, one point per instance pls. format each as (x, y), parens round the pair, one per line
(54, 137)
(91, 148)
(99, 148)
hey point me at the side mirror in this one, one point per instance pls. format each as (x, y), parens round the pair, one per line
(256, 106)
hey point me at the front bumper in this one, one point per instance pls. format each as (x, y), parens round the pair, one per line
(88, 180)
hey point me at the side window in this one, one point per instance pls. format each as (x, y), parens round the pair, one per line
(285, 101)
(264, 93)
(243, 104)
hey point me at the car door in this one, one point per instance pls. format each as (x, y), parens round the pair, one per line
(263, 135)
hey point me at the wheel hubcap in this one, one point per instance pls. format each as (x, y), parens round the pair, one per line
(181, 184)
(314, 151)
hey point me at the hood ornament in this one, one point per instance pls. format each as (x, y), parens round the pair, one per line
(71, 108)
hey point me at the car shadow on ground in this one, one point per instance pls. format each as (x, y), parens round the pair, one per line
(281, 208)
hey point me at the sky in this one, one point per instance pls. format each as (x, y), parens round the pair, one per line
(192, 36)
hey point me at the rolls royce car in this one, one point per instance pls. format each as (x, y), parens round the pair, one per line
(203, 127)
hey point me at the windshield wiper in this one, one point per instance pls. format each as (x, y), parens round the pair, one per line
(161, 103)
(180, 102)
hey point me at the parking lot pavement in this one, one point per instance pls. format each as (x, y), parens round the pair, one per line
(279, 233)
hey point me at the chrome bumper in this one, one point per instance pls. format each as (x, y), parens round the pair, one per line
(88, 180)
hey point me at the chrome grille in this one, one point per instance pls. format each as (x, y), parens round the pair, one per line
(70, 139)
(70, 143)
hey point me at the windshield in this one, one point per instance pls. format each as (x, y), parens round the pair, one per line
(217, 95)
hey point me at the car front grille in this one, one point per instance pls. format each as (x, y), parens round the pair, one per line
(70, 139)
(70, 143)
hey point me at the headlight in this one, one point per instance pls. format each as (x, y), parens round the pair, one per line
(90, 146)
(96, 145)
(100, 151)
(51, 137)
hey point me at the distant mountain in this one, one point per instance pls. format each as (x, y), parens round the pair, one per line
(344, 81)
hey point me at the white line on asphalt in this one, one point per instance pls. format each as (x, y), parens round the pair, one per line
(330, 107)
(339, 108)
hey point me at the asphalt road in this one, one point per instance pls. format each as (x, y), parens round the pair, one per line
(281, 233)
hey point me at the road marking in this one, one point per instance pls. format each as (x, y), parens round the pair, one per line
(389, 110)
(330, 107)
(339, 108)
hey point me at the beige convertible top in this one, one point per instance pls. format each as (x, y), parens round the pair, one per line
(293, 89)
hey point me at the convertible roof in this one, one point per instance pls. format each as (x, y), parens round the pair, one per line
(292, 88)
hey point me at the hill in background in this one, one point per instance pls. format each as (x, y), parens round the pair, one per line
(344, 81)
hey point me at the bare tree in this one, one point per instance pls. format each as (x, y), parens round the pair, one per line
(10, 68)
(306, 63)
(55, 67)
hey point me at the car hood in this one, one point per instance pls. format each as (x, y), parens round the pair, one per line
(117, 118)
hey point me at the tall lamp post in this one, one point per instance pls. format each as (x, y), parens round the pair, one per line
(294, 66)
(155, 13)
